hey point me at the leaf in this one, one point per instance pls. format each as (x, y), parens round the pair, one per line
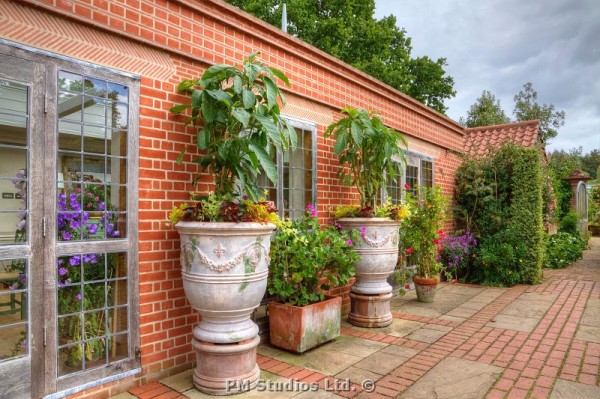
(265, 161)
(271, 130)
(185, 85)
(181, 154)
(280, 75)
(356, 133)
(340, 144)
(237, 84)
(209, 112)
(215, 70)
(176, 109)
(272, 91)
(197, 98)
(202, 139)
(241, 115)
(220, 96)
(248, 98)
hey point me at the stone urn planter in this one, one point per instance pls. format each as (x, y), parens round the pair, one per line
(425, 288)
(224, 271)
(300, 328)
(378, 250)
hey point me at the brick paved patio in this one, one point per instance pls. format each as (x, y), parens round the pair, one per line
(522, 342)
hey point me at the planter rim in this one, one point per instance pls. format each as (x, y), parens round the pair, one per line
(426, 280)
(327, 298)
(370, 221)
(220, 226)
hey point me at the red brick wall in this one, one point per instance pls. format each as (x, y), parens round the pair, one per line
(166, 41)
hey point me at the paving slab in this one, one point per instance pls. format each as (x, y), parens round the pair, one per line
(514, 323)
(489, 295)
(588, 333)
(426, 335)
(271, 385)
(358, 375)
(462, 312)
(591, 314)
(320, 394)
(454, 319)
(530, 305)
(353, 345)
(454, 378)
(381, 363)
(400, 351)
(398, 328)
(570, 390)
(180, 382)
(323, 360)
(267, 349)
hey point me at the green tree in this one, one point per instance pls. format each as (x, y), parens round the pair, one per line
(347, 30)
(527, 108)
(591, 163)
(486, 111)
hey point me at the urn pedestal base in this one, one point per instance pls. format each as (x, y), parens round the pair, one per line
(226, 369)
(371, 311)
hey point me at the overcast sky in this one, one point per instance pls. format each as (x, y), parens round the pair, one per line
(499, 45)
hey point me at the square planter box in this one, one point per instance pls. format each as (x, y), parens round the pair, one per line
(299, 329)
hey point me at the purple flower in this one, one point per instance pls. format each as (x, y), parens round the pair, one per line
(92, 228)
(78, 297)
(23, 278)
(73, 197)
(110, 228)
(90, 258)
(66, 236)
(62, 271)
(60, 262)
(349, 242)
(74, 224)
(21, 225)
(63, 284)
(339, 226)
(75, 260)
(311, 209)
(101, 206)
(245, 197)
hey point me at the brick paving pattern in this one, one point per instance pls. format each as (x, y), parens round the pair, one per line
(531, 361)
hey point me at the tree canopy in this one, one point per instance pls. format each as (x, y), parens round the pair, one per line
(347, 29)
(527, 108)
(485, 112)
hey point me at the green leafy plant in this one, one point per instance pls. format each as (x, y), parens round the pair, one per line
(569, 224)
(307, 260)
(237, 114)
(367, 151)
(502, 196)
(421, 231)
(563, 249)
(499, 260)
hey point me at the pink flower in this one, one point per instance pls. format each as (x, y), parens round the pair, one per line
(407, 286)
(436, 241)
(363, 231)
(454, 281)
(409, 251)
(349, 242)
(406, 186)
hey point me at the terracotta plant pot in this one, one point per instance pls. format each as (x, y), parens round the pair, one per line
(425, 288)
(224, 271)
(300, 328)
(378, 250)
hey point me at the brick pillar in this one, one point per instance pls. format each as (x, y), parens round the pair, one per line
(574, 179)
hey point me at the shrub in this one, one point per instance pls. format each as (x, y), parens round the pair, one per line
(500, 197)
(499, 260)
(306, 260)
(569, 223)
(563, 249)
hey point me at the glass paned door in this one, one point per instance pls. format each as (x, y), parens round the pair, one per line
(92, 306)
(21, 100)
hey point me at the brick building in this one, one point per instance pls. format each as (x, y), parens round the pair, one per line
(85, 89)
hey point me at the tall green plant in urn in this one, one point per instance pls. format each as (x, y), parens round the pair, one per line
(368, 152)
(225, 235)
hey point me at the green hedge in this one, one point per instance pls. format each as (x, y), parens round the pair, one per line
(499, 199)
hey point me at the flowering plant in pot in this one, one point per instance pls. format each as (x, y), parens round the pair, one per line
(368, 152)
(225, 237)
(421, 236)
(305, 261)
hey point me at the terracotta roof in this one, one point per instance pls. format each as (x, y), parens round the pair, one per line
(579, 174)
(478, 140)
